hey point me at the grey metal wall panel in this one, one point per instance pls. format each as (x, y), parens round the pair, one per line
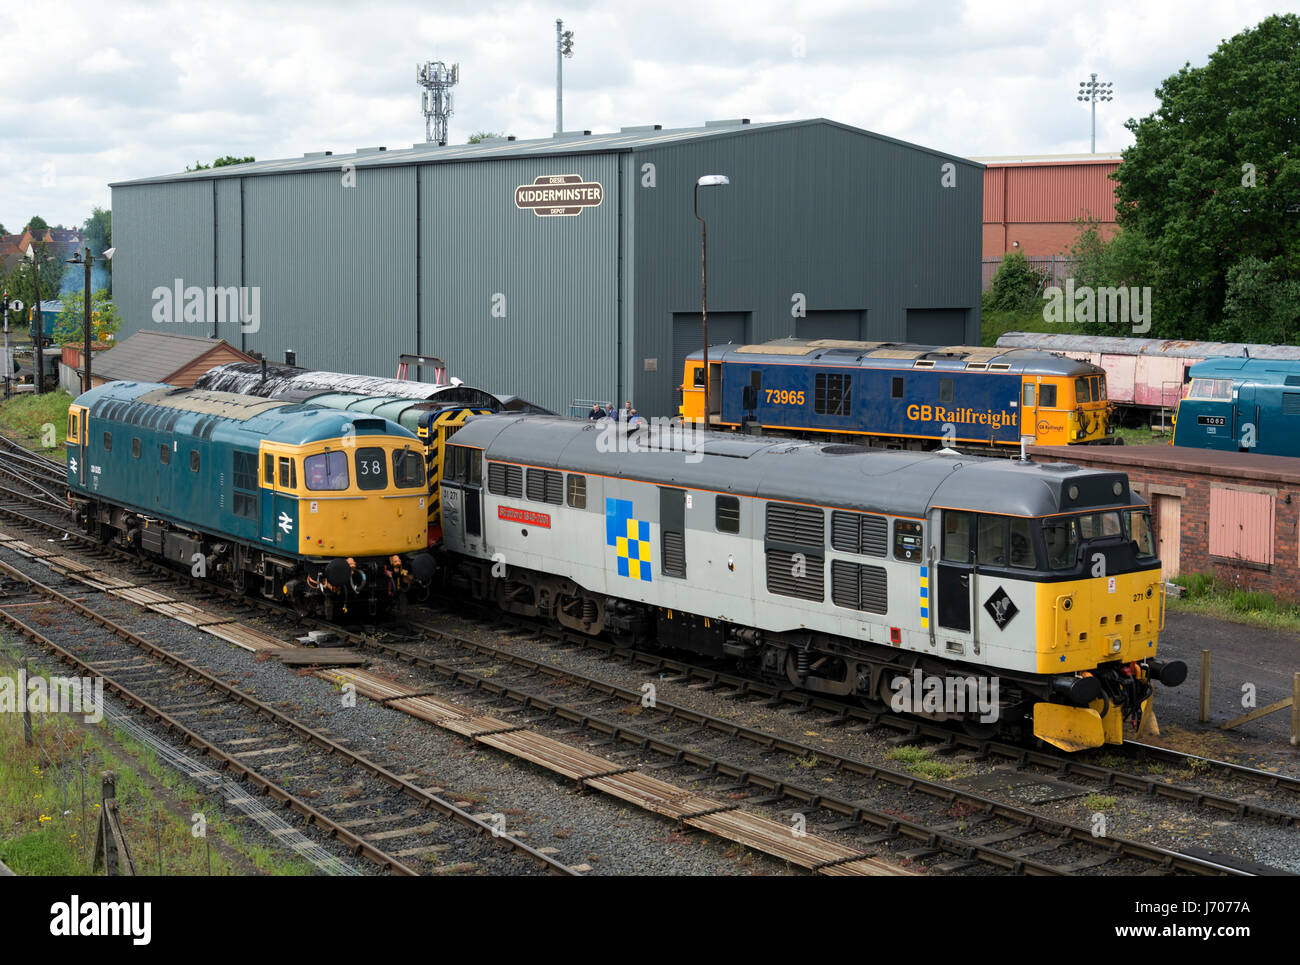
(335, 266)
(556, 278)
(830, 324)
(688, 337)
(229, 240)
(162, 232)
(852, 222)
(848, 221)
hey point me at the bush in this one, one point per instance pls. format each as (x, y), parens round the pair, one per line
(1015, 287)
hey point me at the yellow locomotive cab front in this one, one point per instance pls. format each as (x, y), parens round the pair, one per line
(366, 498)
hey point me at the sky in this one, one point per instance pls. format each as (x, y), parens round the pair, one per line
(95, 92)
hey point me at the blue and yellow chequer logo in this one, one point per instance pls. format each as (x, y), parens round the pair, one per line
(925, 598)
(630, 539)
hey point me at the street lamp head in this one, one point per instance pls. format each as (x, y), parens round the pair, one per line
(710, 179)
(31, 253)
(108, 253)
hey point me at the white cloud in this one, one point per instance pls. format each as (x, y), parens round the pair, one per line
(135, 89)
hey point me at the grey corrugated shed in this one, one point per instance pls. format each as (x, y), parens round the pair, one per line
(152, 356)
(424, 251)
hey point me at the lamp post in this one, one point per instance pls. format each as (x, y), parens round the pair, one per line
(706, 181)
(87, 260)
(38, 354)
(1093, 91)
(8, 363)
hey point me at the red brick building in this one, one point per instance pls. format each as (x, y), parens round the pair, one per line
(1031, 203)
(1236, 515)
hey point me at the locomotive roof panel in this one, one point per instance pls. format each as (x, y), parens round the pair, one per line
(1265, 371)
(279, 380)
(895, 355)
(1169, 347)
(196, 410)
(841, 476)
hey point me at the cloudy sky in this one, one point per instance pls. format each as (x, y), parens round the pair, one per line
(96, 92)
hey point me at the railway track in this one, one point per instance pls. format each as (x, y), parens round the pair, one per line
(253, 740)
(836, 714)
(839, 713)
(989, 832)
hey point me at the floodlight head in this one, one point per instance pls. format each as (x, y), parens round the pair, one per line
(108, 253)
(710, 179)
(31, 252)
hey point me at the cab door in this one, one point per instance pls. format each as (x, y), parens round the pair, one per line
(1247, 432)
(1029, 409)
(285, 509)
(472, 501)
(267, 495)
(78, 434)
(956, 556)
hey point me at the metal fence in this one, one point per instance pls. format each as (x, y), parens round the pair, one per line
(1055, 269)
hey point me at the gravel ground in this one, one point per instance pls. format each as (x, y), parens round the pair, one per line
(1159, 821)
(591, 829)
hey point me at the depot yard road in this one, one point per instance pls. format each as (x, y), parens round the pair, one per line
(1239, 655)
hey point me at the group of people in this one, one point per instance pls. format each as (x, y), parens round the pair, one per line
(627, 414)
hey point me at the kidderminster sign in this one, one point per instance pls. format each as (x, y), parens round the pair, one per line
(559, 194)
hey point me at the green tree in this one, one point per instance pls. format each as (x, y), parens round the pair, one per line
(99, 237)
(37, 223)
(1261, 303)
(20, 286)
(69, 325)
(1016, 285)
(99, 230)
(222, 162)
(479, 136)
(1213, 178)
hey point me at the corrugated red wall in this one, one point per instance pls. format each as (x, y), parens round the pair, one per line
(1036, 203)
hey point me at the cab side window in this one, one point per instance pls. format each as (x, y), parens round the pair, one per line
(957, 542)
(992, 541)
(1029, 396)
(1047, 396)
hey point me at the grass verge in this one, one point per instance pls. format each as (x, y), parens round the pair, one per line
(39, 422)
(49, 805)
(1206, 595)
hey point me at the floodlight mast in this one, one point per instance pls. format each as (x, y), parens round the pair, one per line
(1093, 91)
(563, 48)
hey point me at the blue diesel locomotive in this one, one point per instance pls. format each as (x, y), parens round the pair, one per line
(1241, 405)
(899, 395)
(321, 509)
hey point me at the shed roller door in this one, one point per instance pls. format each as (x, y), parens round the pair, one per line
(724, 327)
(936, 326)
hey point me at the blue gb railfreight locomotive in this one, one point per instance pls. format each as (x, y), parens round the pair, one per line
(901, 396)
